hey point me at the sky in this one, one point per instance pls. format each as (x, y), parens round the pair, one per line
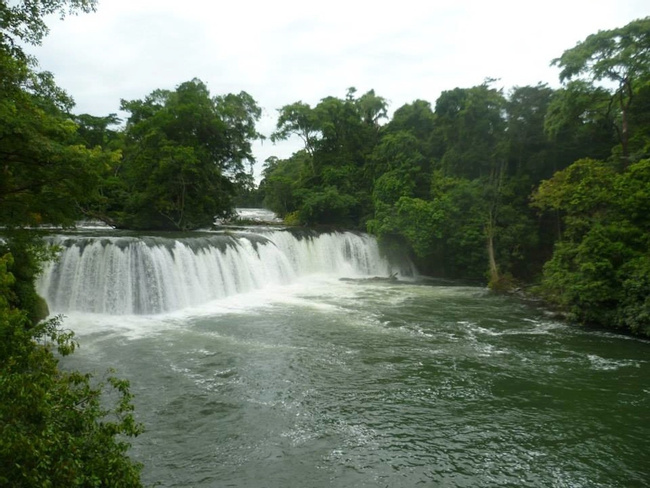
(284, 51)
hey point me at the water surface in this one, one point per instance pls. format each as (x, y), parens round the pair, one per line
(329, 383)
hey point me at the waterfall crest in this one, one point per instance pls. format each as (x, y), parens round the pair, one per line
(148, 275)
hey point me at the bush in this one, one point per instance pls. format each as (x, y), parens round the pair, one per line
(57, 428)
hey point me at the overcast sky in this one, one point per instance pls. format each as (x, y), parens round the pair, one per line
(284, 51)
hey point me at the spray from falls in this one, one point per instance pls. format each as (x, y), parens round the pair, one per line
(148, 275)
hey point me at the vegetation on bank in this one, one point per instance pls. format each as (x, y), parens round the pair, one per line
(534, 185)
(57, 428)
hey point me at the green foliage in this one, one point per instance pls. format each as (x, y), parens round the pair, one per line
(391, 186)
(93, 131)
(445, 233)
(530, 151)
(599, 271)
(24, 19)
(471, 128)
(338, 135)
(514, 230)
(633, 310)
(47, 177)
(582, 276)
(580, 124)
(28, 253)
(639, 120)
(292, 218)
(184, 158)
(620, 56)
(281, 180)
(584, 191)
(327, 207)
(419, 223)
(57, 428)
(416, 118)
(397, 153)
(298, 119)
(463, 251)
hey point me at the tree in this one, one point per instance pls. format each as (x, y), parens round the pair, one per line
(372, 108)
(418, 119)
(599, 270)
(620, 56)
(184, 156)
(298, 119)
(46, 175)
(24, 19)
(397, 151)
(57, 428)
(339, 136)
(326, 206)
(239, 112)
(281, 180)
(471, 126)
(529, 148)
(579, 125)
(94, 131)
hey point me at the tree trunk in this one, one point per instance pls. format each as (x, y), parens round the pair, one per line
(494, 270)
(625, 100)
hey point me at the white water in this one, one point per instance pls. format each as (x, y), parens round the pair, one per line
(258, 215)
(268, 370)
(150, 275)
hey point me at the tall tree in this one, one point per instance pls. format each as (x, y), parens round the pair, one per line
(281, 179)
(471, 125)
(418, 119)
(579, 123)
(620, 56)
(298, 119)
(94, 131)
(45, 175)
(529, 148)
(185, 152)
(339, 135)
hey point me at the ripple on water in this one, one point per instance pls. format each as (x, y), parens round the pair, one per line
(372, 385)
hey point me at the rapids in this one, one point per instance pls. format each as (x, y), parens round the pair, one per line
(254, 365)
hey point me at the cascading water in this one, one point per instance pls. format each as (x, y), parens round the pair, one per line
(298, 375)
(148, 275)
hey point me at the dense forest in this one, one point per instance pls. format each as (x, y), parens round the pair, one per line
(530, 186)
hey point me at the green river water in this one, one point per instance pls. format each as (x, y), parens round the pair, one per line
(328, 383)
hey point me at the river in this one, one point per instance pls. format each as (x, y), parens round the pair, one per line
(301, 379)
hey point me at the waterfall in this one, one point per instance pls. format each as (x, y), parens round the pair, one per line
(148, 275)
